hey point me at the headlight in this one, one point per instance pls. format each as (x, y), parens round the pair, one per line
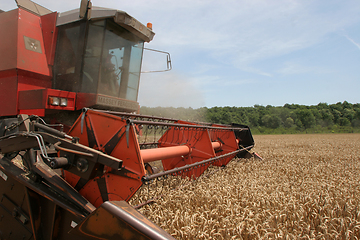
(63, 102)
(55, 101)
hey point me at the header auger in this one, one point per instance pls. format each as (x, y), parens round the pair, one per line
(81, 69)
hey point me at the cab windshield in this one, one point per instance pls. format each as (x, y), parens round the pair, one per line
(107, 61)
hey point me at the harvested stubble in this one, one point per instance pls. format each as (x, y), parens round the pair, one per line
(307, 187)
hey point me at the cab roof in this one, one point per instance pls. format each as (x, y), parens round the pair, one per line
(120, 17)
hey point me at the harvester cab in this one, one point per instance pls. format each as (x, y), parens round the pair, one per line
(71, 60)
(84, 66)
(99, 57)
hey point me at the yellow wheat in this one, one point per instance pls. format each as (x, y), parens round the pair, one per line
(307, 187)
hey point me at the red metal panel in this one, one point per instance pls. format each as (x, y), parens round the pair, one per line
(112, 135)
(49, 31)
(32, 81)
(37, 112)
(33, 99)
(85, 100)
(8, 93)
(70, 96)
(90, 191)
(38, 99)
(226, 139)
(196, 139)
(30, 49)
(8, 40)
(229, 144)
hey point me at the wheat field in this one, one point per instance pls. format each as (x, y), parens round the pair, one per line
(306, 187)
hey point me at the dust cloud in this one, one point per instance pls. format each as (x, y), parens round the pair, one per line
(169, 89)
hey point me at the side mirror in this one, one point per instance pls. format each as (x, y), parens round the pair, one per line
(168, 60)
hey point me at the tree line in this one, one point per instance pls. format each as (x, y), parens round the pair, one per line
(290, 118)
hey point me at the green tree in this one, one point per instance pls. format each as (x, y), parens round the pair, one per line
(327, 117)
(349, 113)
(337, 115)
(306, 117)
(289, 122)
(265, 120)
(346, 105)
(322, 106)
(271, 121)
(344, 121)
(317, 118)
(316, 114)
(275, 121)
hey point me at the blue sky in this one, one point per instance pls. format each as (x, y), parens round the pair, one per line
(245, 52)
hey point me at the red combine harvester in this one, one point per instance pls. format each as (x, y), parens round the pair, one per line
(81, 68)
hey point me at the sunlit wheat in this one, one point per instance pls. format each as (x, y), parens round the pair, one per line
(307, 187)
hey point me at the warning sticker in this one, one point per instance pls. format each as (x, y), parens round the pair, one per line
(73, 224)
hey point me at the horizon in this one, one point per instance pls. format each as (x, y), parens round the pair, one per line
(255, 105)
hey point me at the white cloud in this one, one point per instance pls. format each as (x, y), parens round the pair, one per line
(244, 32)
(290, 68)
(295, 67)
(353, 42)
(215, 83)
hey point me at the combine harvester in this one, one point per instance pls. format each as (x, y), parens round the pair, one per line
(82, 68)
